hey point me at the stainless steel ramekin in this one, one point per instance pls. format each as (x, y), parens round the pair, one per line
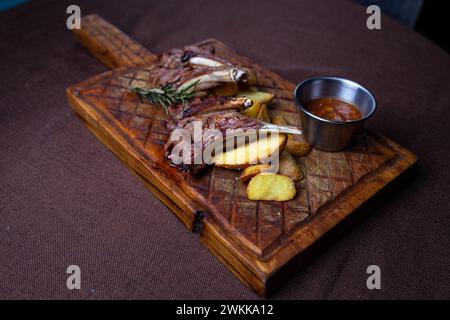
(326, 134)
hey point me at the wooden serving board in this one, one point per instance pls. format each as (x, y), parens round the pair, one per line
(263, 243)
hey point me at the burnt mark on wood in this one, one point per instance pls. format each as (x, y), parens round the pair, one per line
(198, 221)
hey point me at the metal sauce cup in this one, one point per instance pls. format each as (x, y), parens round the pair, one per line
(326, 134)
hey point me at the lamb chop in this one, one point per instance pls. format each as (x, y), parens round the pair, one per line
(184, 74)
(212, 127)
(207, 105)
(193, 58)
(205, 131)
(181, 85)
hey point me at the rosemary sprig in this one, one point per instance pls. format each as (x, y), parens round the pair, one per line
(167, 95)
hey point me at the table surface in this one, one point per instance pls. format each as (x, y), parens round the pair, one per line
(60, 205)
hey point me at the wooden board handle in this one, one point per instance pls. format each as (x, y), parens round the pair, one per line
(110, 45)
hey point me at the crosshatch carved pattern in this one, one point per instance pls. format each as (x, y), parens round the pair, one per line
(261, 223)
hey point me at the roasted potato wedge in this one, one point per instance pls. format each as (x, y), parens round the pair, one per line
(295, 145)
(263, 114)
(279, 120)
(254, 170)
(271, 187)
(298, 148)
(258, 97)
(289, 167)
(251, 153)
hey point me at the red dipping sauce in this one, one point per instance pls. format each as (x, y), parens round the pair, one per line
(334, 109)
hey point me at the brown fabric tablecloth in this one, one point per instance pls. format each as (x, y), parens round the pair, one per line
(65, 199)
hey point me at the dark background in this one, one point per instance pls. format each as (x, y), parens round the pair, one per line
(65, 199)
(432, 22)
(427, 17)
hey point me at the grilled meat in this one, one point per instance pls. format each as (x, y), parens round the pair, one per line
(205, 78)
(214, 127)
(191, 56)
(192, 67)
(194, 64)
(208, 105)
(213, 77)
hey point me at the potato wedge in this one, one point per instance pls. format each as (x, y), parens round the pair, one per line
(251, 153)
(254, 170)
(271, 187)
(279, 120)
(258, 97)
(298, 148)
(296, 144)
(289, 167)
(263, 114)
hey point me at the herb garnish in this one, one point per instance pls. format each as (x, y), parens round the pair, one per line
(167, 95)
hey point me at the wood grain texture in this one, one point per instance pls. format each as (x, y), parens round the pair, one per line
(261, 242)
(110, 45)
